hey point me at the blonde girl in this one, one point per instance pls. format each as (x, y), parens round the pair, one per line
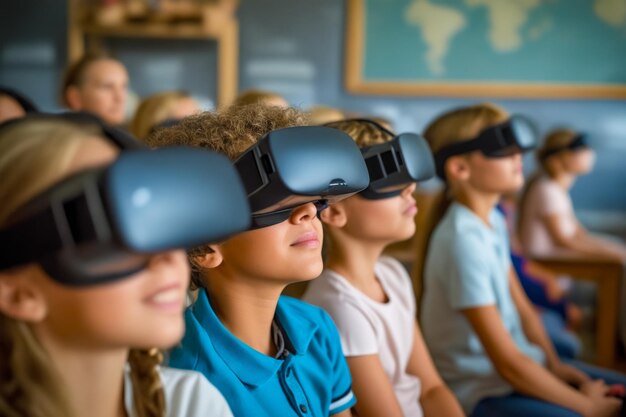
(86, 351)
(547, 223)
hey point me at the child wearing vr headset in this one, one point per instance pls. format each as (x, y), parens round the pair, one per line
(370, 297)
(485, 337)
(270, 355)
(89, 292)
(548, 224)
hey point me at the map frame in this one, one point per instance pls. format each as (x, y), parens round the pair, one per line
(356, 84)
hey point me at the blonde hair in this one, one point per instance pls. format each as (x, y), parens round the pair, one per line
(362, 132)
(255, 97)
(320, 115)
(34, 154)
(229, 131)
(153, 110)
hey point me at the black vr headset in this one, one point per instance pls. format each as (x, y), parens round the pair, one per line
(102, 224)
(515, 135)
(579, 142)
(297, 165)
(396, 164)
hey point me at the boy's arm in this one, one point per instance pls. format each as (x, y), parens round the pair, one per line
(372, 388)
(526, 376)
(436, 399)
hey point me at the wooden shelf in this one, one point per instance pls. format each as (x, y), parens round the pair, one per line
(150, 30)
(226, 38)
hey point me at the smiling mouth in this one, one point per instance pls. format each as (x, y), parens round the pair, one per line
(168, 297)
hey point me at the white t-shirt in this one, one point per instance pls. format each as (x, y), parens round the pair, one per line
(545, 198)
(367, 327)
(187, 393)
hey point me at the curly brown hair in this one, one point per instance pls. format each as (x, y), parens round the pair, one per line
(229, 131)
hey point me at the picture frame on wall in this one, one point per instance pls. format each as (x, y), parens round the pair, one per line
(481, 48)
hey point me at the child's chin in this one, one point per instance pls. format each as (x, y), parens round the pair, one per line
(515, 186)
(308, 274)
(168, 337)
(167, 342)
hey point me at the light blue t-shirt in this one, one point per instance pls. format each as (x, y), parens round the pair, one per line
(468, 266)
(312, 379)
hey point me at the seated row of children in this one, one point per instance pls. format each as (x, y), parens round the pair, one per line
(93, 277)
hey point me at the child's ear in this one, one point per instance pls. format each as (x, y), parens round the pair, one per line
(212, 259)
(334, 215)
(457, 167)
(20, 299)
(73, 97)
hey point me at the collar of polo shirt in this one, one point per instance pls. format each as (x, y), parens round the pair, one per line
(251, 366)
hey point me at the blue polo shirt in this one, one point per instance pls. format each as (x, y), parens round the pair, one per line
(312, 380)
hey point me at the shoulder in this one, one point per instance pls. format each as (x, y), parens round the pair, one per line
(325, 290)
(190, 394)
(391, 264)
(467, 241)
(546, 186)
(299, 308)
(339, 299)
(394, 273)
(459, 224)
(324, 330)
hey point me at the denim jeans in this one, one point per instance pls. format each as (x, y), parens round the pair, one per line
(519, 405)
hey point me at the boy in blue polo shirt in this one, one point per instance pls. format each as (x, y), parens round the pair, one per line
(268, 355)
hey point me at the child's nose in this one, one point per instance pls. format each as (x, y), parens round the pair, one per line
(304, 212)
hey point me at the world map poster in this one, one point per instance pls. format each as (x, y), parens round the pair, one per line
(517, 48)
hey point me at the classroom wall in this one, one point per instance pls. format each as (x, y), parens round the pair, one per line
(295, 47)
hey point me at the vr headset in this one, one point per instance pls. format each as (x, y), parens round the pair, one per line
(579, 142)
(103, 224)
(396, 164)
(513, 136)
(297, 165)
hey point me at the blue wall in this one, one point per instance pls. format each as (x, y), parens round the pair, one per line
(295, 47)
